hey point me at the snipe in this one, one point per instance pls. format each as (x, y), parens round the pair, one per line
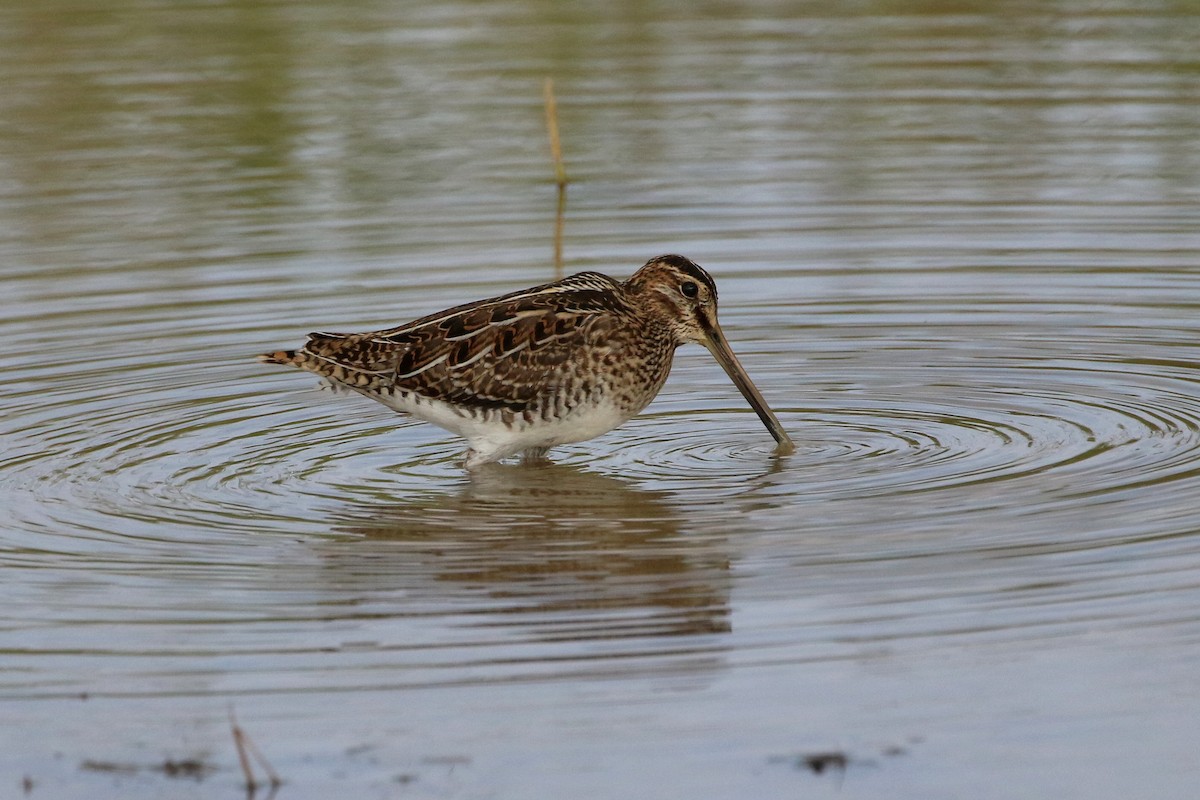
(558, 363)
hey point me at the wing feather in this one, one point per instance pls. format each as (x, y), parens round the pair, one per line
(505, 352)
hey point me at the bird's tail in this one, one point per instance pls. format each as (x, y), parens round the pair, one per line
(288, 358)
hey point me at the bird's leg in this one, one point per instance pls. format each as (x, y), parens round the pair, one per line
(474, 459)
(535, 455)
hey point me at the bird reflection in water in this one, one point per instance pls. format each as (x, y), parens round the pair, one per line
(562, 551)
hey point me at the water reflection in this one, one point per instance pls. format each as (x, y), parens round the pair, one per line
(541, 541)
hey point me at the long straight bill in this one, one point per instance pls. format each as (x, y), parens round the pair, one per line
(719, 347)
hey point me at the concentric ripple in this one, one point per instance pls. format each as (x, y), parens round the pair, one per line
(1047, 427)
(957, 439)
(956, 413)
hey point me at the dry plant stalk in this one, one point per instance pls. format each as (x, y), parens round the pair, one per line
(560, 173)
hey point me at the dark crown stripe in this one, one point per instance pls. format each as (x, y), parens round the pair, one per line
(689, 268)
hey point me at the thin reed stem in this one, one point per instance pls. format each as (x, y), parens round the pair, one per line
(560, 173)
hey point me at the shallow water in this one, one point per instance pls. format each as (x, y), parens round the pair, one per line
(958, 250)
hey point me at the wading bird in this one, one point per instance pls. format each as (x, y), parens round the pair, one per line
(557, 363)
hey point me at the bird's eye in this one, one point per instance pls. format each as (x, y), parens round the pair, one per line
(689, 289)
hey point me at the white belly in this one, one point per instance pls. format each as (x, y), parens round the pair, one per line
(495, 435)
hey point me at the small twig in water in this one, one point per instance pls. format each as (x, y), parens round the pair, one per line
(245, 748)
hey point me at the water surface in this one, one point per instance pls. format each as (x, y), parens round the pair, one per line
(957, 249)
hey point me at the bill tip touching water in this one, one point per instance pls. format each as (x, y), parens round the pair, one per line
(554, 364)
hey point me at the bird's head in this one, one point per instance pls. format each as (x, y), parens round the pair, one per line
(683, 296)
